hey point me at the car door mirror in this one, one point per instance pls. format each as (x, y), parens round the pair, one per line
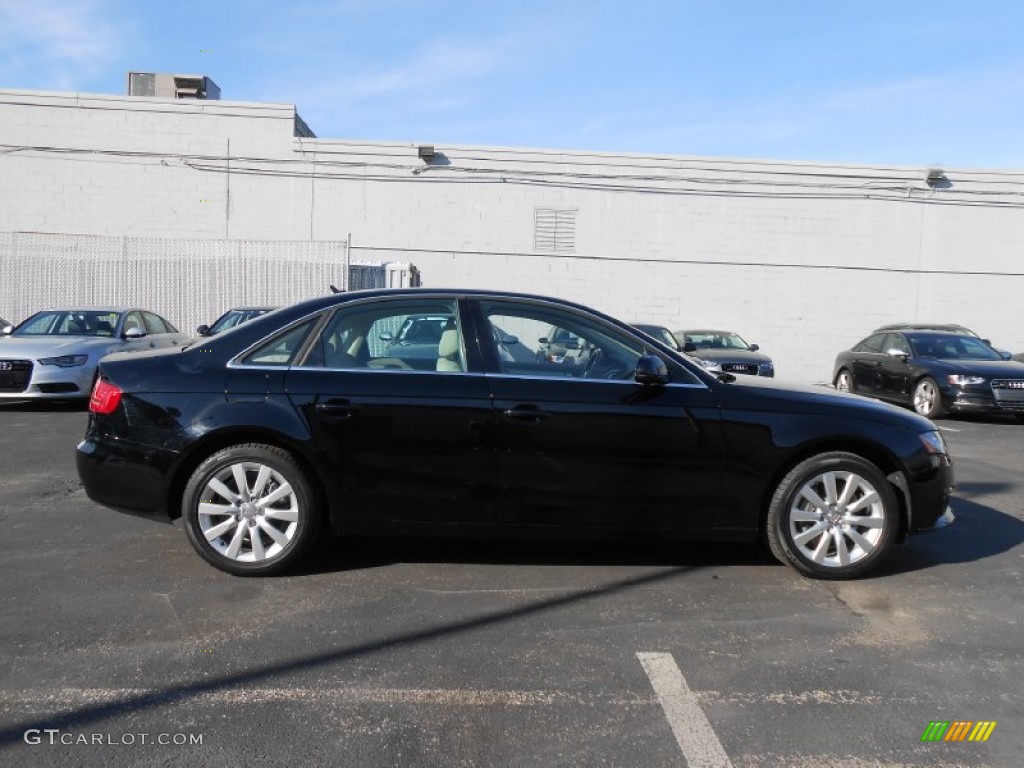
(134, 333)
(1002, 353)
(689, 347)
(899, 354)
(7, 330)
(387, 336)
(651, 371)
(202, 330)
(754, 347)
(510, 340)
(543, 340)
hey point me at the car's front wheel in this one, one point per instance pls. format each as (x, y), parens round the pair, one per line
(833, 516)
(250, 510)
(927, 399)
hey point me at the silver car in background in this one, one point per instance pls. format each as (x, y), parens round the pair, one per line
(53, 354)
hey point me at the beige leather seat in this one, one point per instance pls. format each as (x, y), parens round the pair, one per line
(449, 354)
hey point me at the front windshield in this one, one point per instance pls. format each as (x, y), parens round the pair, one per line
(948, 347)
(715, 340)
(69, 323)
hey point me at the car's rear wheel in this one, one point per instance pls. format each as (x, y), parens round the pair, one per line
(927, 399)
(250, 510)
(844, 381)
(833, 516)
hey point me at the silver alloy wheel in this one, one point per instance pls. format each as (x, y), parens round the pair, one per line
(844, 382)
(925, 397)
(248, 512)
(836, 519)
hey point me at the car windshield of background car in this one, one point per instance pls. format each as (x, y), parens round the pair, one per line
(947, 347)
(73, 323)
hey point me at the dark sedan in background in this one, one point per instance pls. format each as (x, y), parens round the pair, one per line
(660, 333)
(725, 352)
(260, 437)
(933, 372)
(231, 318)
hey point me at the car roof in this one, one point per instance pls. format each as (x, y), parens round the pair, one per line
(704, 330)
(923, 327)
(94, 309)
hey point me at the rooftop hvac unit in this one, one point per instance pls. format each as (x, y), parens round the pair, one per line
(165, 86)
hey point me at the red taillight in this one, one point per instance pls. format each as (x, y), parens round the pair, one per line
(105, 397)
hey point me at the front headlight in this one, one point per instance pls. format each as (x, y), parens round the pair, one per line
(959, 380)
(64, 361)
(933, 443)
(711, 365)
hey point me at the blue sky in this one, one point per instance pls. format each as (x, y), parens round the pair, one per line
(908, 82)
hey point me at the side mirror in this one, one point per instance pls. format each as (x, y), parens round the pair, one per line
(387, 336)
(510, 340)
(651, 371)
(987, 341)
(543, 340)
(689, 347)
(202, 330)
(898, 353)
(7, 330)
(134, 333)
(1002, 353)
(754, 347)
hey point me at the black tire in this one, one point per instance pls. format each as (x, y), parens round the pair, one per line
(926, 399)
(267, 528)
(795, 525)
(843, 372)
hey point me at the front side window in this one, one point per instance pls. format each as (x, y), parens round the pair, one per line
(423, 335)
(536, 340)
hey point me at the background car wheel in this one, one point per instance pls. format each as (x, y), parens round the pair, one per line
(250, 510)
(844, 381)
(927, 399)
(833, 516)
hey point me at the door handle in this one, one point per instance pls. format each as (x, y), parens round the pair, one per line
(338, 409)
(529, 413)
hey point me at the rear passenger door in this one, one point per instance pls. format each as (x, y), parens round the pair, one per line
(403, 439)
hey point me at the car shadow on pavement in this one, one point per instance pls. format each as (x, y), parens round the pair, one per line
(45, 406)
(979, 532)
(337, 553)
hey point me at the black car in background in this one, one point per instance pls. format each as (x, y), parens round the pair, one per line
(933, 372)
(261, 437)
(725, 352)
(660, 333)
(231, 318)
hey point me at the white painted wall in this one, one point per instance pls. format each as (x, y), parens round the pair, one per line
(802, 258)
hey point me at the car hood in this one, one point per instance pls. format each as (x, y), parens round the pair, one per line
(55, 346)
(990, 369)
(731, 356)
(775, 395)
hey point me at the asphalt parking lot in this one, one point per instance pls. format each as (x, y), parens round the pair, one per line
(116, 637)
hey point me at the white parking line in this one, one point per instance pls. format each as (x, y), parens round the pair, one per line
(693, 732)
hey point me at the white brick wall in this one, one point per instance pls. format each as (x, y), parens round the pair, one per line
(804, 259)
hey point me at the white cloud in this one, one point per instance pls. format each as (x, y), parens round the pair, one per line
(48, 41)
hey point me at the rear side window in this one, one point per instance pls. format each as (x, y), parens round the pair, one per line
(281, 350)
(871, 344)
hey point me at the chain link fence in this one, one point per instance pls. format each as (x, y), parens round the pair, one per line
(187, 281)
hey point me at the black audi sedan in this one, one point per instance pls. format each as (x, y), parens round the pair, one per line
(262, 438)
(934, 372)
